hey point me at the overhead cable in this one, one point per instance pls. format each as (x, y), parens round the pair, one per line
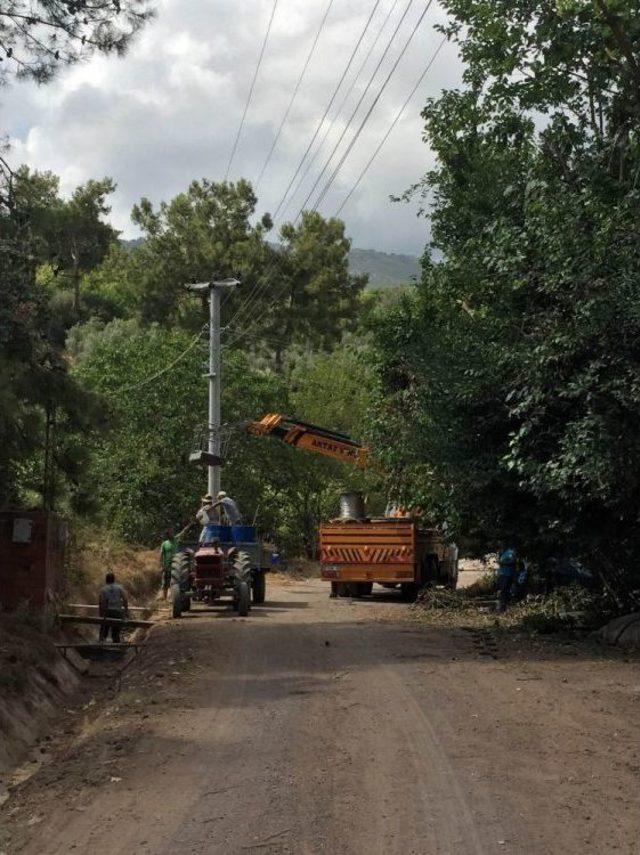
(328, 108)
(355, 110)
(294, 93)
(390, 128)
(363, 123)
(168, 367)
(251, 88)
(263, 281)
(338, 112)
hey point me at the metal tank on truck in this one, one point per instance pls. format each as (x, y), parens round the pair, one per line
(357, 551)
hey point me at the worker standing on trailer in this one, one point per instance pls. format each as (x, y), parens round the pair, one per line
(229, 508)
(206, 515)
(113, 603)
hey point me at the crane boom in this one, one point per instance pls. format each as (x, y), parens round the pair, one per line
(310, 438)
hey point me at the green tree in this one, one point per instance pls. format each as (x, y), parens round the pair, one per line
(38, 39)
(317, 297)
(150, 380)
(42, 409)
(509, 377)
(203, 233)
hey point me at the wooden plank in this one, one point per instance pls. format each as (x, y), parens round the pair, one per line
(100, 620)
(95, 646)
(94, 607)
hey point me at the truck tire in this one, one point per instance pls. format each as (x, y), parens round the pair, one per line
(243, 599)
(409, 591)
(258, 587)
(365, 588)
(176, 601)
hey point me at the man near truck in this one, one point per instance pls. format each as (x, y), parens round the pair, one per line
(507, 571)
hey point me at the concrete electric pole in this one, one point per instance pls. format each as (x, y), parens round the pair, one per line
(215, 289)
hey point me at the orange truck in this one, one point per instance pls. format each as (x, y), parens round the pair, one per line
(356, 552)
(390, 551)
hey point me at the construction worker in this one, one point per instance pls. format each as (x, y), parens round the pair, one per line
(206, 515)
(507, 570)
(228, 507)
(112, 603)
(168, 548)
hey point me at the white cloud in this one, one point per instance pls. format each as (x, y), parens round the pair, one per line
(168, 111)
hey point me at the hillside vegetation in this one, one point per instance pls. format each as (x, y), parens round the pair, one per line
(500, 393)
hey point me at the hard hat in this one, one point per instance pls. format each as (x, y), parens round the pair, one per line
(206, 497)
(222, 494)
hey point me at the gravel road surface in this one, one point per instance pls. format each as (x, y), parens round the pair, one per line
(332, 726)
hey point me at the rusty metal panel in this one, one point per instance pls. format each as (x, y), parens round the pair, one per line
(32, 546)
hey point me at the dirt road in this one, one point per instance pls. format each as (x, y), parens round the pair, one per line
(322, 725)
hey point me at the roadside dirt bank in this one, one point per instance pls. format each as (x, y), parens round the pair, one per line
(36, 683)
(340, 726)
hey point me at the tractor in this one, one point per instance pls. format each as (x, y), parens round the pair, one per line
(227, 559)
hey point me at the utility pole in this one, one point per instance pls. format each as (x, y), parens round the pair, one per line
(214, 289)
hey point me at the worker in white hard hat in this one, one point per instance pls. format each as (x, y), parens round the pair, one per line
(228, 508)
(206, 514)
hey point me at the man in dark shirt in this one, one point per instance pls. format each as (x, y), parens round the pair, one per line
(113, 603)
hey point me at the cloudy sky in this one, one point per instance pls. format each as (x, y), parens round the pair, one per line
(169, 111)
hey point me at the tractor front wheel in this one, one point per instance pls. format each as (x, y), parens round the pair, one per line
(176, 601)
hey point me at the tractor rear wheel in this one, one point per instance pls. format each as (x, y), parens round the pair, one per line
(180, 569)
(243, 599)
(258, 587)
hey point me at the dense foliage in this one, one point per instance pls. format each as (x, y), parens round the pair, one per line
(510, 379)
(104, 353)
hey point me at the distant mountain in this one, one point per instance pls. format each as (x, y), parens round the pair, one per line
(384, 268)
(132, 243)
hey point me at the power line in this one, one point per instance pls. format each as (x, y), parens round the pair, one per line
(391, 127)
(251, 88)
(350, 89)
(294, 93)
(168, 367)
(349, 148)
(357, 107)
(328, 108)
(257, 286)
(263, 279)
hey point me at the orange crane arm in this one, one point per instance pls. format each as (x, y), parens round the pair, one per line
(310, 438)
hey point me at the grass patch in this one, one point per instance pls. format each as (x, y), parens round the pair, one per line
(93, 553)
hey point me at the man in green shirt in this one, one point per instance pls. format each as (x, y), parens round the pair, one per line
(168, 549)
